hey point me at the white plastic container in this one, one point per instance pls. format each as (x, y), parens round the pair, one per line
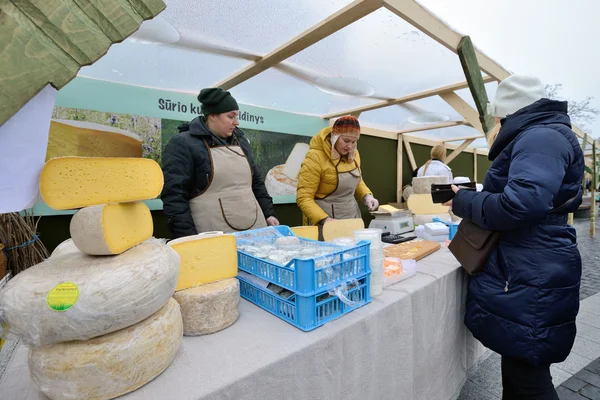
(436, 238)
(409, 269)
(436, 229)
(372, 235)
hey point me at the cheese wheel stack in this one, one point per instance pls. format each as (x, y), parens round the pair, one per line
(98, 314)
(207, 290)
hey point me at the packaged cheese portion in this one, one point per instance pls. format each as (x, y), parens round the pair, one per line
(111, 228)
(307, 232)
(423, 204)
(205, 258)
(76, 182)
(112, 365)
(209, 308)
(74, 296)
(86, 139)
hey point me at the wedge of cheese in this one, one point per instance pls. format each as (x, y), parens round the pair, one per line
(420, 204)
(112, 365)
(205, 258)
(74, 296)
(76, 182)
(112, 228)
(341, 228)
(209, 308)
(306, 232)
(86, 139)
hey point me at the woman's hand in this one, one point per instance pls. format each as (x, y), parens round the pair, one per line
(371, 202)
(272, 221)
(455, 189)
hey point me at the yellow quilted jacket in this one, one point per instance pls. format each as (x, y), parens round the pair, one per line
(318, 177)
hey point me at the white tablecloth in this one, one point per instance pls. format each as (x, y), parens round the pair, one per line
(409, 343)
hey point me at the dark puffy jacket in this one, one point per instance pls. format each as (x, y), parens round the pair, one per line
(188, 171)
(524, 303)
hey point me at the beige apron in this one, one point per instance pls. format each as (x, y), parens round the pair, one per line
(228, 203)
(341, 204)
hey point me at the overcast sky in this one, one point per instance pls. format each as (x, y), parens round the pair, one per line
(557, 40)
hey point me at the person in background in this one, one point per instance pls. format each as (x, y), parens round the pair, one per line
(436, 166)
(330, 178)
(211, 180)
(524, 303)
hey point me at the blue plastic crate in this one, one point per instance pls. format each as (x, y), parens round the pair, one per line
(306, 312)
(304, 276)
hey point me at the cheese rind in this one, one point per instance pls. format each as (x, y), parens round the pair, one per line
(86, 139)
(111, 228)
(209, 308)
(65, 247)
(111, 365)
(307, 232)
(205, 258)
(76, 182)
(114, 292)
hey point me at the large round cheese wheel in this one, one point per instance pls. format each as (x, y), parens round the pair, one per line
(111, 365)
(68, 246)
(209, 308)
(74, 296)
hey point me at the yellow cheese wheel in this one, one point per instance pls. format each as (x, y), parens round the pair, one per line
(306, 232)
(112, 365)
(205, 258)
(111, 228)
(76, 182)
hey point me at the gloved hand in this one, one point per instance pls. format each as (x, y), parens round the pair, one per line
(371, 202)
(272, 221)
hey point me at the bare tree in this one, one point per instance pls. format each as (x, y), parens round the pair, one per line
(581, 112)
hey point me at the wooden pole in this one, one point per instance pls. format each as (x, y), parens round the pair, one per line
(583, 146)
(594, 185)
(475, 164)
(399, 170)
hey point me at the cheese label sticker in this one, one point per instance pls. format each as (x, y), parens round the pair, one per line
(63, 296)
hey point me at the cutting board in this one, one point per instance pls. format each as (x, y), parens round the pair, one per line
(413, 250)
(306, 232)
(341, 228)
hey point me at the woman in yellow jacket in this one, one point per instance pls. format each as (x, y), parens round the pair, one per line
(330, 177)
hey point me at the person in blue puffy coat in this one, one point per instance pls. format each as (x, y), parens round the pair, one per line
(524, 303)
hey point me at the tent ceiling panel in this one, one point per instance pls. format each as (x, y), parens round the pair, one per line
(387, 53)
(459, 131)
(258, 26)
(161, 67)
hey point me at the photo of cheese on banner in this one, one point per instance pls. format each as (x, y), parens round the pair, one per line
(86, 139)
(282, 180)
(88, 133)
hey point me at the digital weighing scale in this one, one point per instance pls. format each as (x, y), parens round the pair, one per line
(393, 220)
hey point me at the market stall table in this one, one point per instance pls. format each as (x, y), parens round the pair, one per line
(409, 343)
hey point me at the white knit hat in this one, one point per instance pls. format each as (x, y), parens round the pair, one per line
(514, 93)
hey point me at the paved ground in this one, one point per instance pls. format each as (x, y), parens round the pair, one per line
(584, 385)
(485, 383)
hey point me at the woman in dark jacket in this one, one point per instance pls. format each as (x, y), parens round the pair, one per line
(524, 303)
(211, 180)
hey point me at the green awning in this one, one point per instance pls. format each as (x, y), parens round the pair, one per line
(47, 41)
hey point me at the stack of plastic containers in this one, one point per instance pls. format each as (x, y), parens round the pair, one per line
(376, 257)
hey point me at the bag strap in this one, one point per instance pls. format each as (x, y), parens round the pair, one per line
(557, 210)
